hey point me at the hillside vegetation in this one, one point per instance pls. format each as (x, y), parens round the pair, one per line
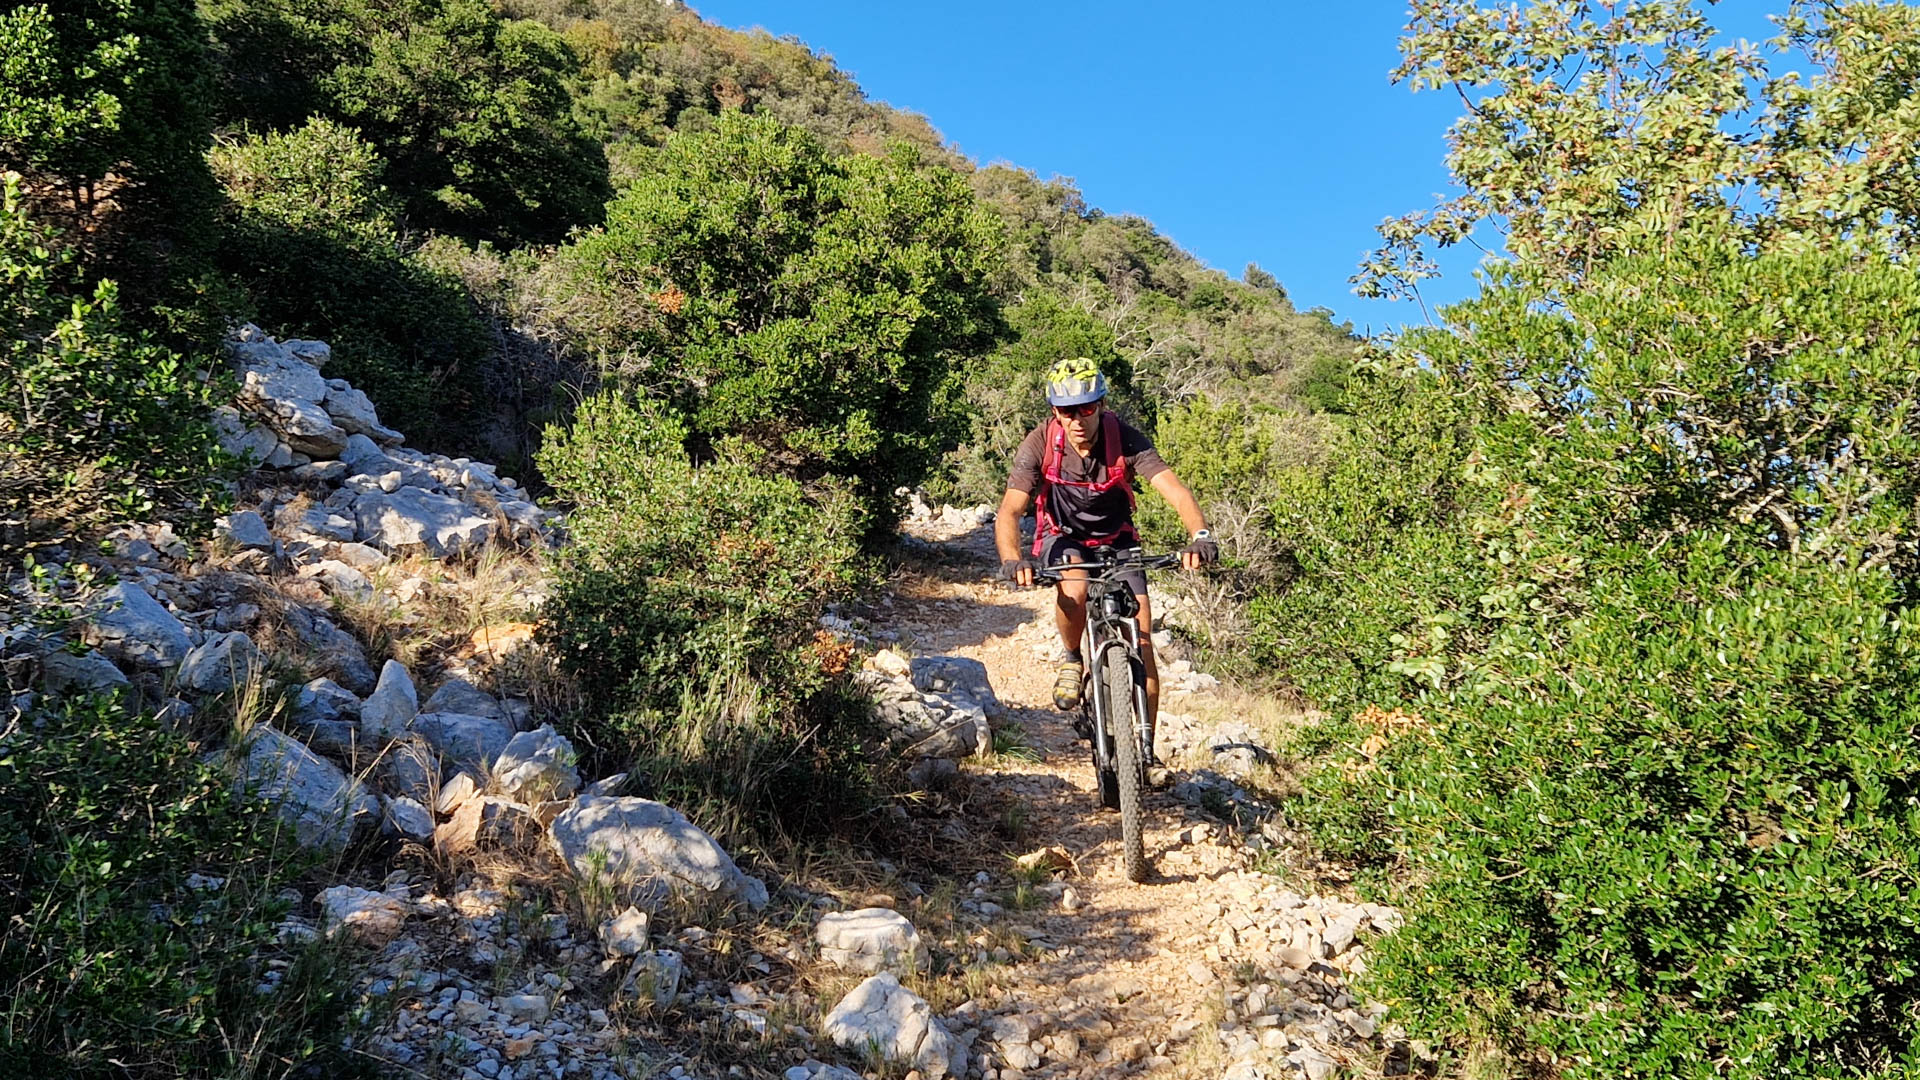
(1604, 583)
(687, 281)
(1610, 591)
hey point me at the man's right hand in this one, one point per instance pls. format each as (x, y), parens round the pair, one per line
(1018, 571)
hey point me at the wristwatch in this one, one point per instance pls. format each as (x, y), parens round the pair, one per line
(1203, 534)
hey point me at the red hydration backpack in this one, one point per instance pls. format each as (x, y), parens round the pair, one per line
(1116, 463)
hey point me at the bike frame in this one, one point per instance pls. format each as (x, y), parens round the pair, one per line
(1111, 617)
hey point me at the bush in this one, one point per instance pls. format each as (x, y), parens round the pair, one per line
(98, 424)
(473, 112)
(313, 241)
(686, 607)
(114, 964)
(1006, 392)
(808, 302)
(1655, 771)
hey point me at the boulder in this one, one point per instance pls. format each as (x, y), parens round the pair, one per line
(362, 455)
(62, 672)
(361, 557)
(410, 818)
(460, 696)
(647, 850)
(327, 716)
(332, 650)
(340, 579)
(131, 626)
(882, 1014)
(296, 522)
(324, 472)
(655, 975)
(410, 767)
(370, 918)
(246, 529)
(411, 517)
(355, 415)
(537, 766)
(957, 677)
(251, 442)
(469, 740)
(455, 793)
(626, 933)
(221, 663)
(870, 939)
(932, 727)
(391, 707)
(487, 821)
(311, 794)
(303, 425)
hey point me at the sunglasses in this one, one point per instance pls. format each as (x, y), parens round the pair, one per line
(1067, 412)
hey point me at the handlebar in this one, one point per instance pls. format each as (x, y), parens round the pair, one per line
(1109, 565)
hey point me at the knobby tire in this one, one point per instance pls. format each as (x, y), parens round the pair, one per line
(1127, 766)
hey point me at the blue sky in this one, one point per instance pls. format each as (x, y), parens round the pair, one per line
(1264, 132)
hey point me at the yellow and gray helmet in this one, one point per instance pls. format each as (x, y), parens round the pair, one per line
(1075, 382)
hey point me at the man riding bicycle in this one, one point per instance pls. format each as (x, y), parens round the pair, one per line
(1075, 470)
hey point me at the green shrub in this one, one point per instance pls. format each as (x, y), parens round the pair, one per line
(686, 605)
(312, 239)
(812, 303)
(107, 114)
(1639, 563)
(473, 112)
(1006, 392)
(99, 424)
(113, 964)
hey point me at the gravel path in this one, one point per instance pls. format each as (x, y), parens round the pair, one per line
(1211, 968)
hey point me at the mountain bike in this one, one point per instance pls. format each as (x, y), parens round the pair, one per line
(1113, 696)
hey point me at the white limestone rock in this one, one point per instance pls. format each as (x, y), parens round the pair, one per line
(243, 438)
(957, 677)
(414, 518)
(881, 1013)
(869, 940)
(62, 672)
(457, 695)
(221, 663)
(354, 413)
(391, 707)
(408, 817)
(469, 740)
(339, 579)
(246, 529)
(332, 650)
(370, 918)
(324, 807)
(626, 933)
(648, 850)
(132, 627)
(537, 766)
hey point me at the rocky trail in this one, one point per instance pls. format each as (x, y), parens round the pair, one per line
(1213, 967)
(508, 918)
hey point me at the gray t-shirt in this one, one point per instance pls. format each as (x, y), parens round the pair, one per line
(1079, 511)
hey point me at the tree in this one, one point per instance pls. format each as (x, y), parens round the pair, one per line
(814, 303)
(1595, 128)
(1610, 584)
(473, 113)
(99, 424)
(106, 115)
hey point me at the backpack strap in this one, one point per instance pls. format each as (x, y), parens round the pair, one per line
(1054, 455)
(1116, 461)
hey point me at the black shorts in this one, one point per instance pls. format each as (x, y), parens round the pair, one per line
(1061, 548)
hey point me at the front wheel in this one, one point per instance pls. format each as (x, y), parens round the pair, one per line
(1128, 768)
